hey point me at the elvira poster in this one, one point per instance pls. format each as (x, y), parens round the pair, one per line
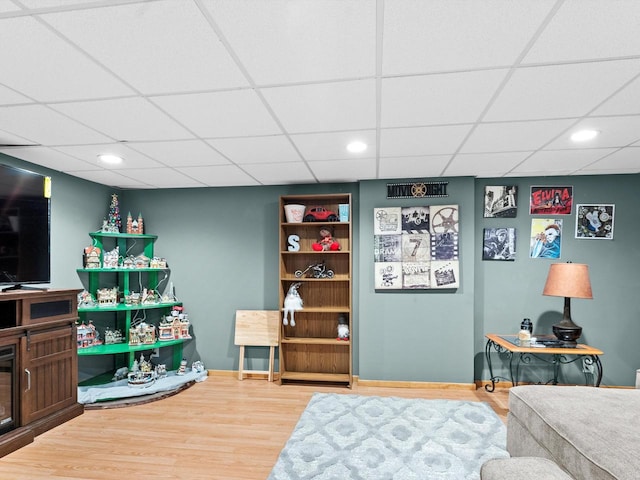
(551, 200)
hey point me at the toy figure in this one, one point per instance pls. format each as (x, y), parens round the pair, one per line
(292, 303)
(326, 242)
(343, 328)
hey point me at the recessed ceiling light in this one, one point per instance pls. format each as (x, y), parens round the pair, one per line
(584, 135)
(357, 147)
(110, 158)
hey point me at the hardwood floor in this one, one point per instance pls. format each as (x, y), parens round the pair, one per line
(221, 428)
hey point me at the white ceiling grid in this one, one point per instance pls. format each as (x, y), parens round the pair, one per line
(198, 93)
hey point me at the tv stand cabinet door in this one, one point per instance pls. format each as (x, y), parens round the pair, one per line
(48, 372)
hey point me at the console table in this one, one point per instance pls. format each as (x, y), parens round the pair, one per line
(553, 355)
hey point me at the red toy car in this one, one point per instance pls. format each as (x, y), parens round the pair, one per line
(320, 214)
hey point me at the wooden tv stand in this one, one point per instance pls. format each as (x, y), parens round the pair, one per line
(37, 329)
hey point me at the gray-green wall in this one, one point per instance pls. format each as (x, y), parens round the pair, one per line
(222, 248)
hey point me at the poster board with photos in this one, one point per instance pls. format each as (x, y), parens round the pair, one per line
(416, 248)
(500, 201)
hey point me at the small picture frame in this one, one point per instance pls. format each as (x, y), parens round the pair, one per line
(595, 221)
(499, 244)
(500, 201)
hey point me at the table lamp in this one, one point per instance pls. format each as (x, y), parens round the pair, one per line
(568, 280)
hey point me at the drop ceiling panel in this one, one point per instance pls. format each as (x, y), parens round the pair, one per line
(42, 125)
(570, 160)
(131, 158)
(160, 177)
(333, 146)
(257, 149)
(324, 106)
(31, 53)
(444, 35)
(219, 175)
(627, 160)
(614, 132)
(125, 119)
(287, 42)
(421, 140)
(350, 170)
(156, 47)
(437, 99)
(11, 97)
(560, 91)
(623, 102)
(50, 158)
(413, 167)
(484, 164)
(234, 113)
(514, 136)
(107, 177)
(181, 153)
(280, 173)
(590, 30)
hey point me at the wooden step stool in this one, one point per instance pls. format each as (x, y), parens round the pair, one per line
(257, 328)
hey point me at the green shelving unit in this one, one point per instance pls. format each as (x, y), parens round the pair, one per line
(122, 316)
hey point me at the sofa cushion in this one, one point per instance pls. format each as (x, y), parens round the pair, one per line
(591, 432)
(522, 468)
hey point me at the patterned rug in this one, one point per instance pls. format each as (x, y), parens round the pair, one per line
(346, 437)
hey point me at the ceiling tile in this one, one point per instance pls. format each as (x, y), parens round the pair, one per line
(484, 164)
(333, 146)
(623, 102)
(594, 29)
(125, 119)
(180, 153)
(157, 47)
(437, 99)
(50, 158)
(421, 140)
(557, 161)
(108, 177)
(627, 160)
(324, 107)
(222, 114)
(161, 177)
(257, 149)
(443, 35)
(614, 132)
(350, 170)
(10, 97)
(306, 40)
(514, 136)
(219, 175)
(560, 91)
(413, 167)
(34, 53)
(40, 124)
(89, 153)
(280, 173)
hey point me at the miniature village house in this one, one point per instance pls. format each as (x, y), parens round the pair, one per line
(135, 226)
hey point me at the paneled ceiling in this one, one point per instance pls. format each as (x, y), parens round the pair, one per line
(198, 93)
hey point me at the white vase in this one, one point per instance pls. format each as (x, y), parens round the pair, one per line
(294, 213)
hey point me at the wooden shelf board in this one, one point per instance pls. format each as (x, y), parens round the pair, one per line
(316, 377)
(316, 341)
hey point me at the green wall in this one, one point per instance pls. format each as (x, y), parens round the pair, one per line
(221, 246)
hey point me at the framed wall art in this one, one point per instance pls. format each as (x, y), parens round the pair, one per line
(595, 221)
(551, 200)
(500, 201)
(416, 247)
(499, 244)
(546, 238)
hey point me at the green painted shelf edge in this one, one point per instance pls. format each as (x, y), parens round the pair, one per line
(123, 235)
(120, 270)
(121, 307)
(126, 348)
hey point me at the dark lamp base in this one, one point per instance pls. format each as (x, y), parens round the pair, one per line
(567, 333)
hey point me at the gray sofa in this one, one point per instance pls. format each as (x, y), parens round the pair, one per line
(564, 432)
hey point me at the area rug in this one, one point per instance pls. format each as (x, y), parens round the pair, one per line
(346, 437)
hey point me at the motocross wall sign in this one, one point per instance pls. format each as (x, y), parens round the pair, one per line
(417, 190)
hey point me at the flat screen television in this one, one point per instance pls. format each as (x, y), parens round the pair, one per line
(25, 228)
